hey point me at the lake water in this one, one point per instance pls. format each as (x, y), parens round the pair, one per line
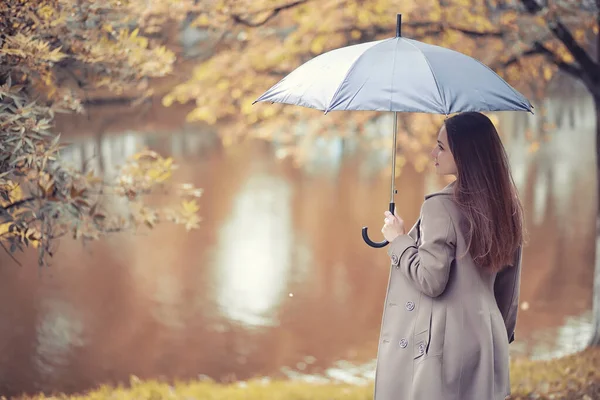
(277, 281)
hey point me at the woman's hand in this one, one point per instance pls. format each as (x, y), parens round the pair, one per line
(393, 226)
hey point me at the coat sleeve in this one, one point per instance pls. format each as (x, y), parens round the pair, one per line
(427, 266)
(506, 290)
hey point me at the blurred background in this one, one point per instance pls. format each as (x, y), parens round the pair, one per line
(275, 281)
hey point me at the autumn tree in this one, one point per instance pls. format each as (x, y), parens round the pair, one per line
(566, 38)
(51, 51)
(526, 41)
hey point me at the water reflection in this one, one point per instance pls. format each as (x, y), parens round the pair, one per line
(58, 332)
(558, 184)
(257, 233)
(166, 303)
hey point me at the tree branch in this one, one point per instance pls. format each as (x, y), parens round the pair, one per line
(273, 13)
(598, 30)
(588, 66)
(19, 203)
(10, 253)
(516, 58)
(442, 26)
(539, 49)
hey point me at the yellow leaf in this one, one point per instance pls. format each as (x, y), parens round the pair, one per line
(355, 34)
(189, 207)
(236, 93)
(268, 112)
(202, 114)
(168, 100)
(247, 106)
(534, 147)
(201, 21)
(223, 84)
(318, 44)
(45, 12)
(547, 73)
(192, 223)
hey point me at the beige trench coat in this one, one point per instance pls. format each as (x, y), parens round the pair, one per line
(446, 323)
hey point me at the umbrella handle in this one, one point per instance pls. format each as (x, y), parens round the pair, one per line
(371, 243)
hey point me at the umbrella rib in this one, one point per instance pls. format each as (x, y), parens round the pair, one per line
(337, 91)
(393, 69)
(301, 96)
(433, 75)
(357, 92)
(527, 103)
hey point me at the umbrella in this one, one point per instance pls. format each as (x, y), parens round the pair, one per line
(396, 75)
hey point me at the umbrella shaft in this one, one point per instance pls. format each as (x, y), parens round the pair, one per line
(393, 190)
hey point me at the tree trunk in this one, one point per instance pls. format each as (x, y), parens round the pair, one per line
(596, 302)
(595, 341)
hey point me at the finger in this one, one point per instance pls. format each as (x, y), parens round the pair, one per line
(387, 214)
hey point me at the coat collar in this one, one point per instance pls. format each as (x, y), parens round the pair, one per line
(448, 191)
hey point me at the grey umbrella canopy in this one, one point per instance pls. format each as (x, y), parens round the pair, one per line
(396, 75)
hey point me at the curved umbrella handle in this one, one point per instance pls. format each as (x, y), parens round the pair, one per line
(371, 243)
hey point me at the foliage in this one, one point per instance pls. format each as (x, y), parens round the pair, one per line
(51, 52)
(262, 41)
(54, 44)
(572, 377)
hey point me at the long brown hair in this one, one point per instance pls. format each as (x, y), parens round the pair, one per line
(485, 191)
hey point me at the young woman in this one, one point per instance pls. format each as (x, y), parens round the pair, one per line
(453, 293)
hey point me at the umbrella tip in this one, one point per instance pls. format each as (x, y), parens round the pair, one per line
(398, 25)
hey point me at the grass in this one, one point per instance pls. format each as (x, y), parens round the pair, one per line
(573, 377)
(576, 376)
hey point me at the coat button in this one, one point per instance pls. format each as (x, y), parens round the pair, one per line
(403, 343)
(421, 349)
(394, 259)
(410, 305)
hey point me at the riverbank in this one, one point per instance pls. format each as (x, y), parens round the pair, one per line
(572, 377)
